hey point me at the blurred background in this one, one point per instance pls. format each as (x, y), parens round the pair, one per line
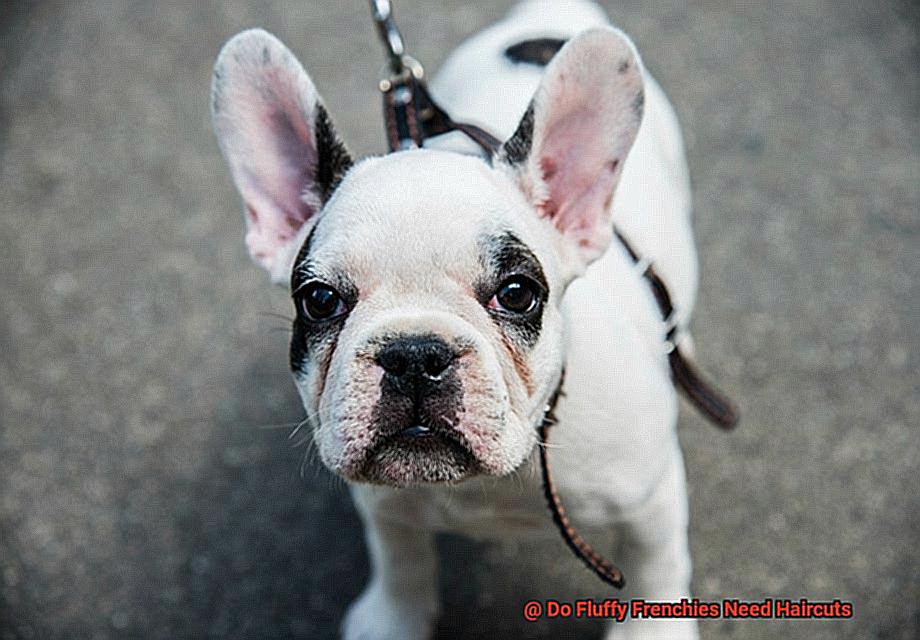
(147, 486)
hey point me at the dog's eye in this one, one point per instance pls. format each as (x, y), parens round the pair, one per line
(517, 294)
(320, 302)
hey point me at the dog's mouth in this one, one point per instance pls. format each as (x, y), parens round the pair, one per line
(418, 454)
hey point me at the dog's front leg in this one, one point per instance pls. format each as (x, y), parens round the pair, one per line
(658, 564)
(400, 601)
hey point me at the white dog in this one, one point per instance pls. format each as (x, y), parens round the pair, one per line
(440, 297)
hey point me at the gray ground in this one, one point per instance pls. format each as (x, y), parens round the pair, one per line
(146, 485)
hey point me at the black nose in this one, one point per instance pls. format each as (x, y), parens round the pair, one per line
(416, 358)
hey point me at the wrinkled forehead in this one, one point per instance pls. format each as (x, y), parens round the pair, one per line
(400, 216)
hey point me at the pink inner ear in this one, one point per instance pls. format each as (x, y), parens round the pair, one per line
(579, 175)
(265, 236)
(293, 147)
(285, 146)
(273, 157)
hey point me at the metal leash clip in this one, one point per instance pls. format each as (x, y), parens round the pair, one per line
(389, 33)
(410, 113)
(400, 87)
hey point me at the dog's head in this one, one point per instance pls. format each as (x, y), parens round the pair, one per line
(428, 337)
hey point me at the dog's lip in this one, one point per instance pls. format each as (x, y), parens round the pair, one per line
(418, 440)
(418, 432)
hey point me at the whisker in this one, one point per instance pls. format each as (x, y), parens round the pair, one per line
(280, 425)
(297, 428)
(314, 416)
(305, 439)
(274, 330)
(516, 474)
(272, 314)
(308, 421)
(532, 471)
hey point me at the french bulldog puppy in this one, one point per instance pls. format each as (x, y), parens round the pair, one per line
(439, 297)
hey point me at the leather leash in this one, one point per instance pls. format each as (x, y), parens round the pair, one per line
(601, 566)
(411, 115)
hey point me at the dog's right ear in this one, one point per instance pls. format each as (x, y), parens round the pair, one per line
(284, 155)
(569, 149)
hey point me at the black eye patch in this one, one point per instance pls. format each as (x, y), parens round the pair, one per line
(505, 257)
(307, 335)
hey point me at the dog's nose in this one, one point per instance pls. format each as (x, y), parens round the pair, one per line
(416, 358)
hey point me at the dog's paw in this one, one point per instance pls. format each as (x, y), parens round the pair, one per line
(377, 615)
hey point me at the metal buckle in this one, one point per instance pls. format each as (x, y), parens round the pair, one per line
(404, 128)
(673, 340)
(410, 68)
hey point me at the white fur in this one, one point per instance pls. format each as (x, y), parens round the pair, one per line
(406, 225)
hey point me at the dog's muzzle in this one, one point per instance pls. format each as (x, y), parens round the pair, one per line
(416, 439)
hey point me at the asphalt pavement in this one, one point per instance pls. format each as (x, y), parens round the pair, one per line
(147, 486)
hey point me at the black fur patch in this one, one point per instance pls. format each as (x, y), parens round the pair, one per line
(297, 276)
(217, 90)
(441, 456)
(333, 160)
(638, 104)
(538, 51)
(502, 257)
(309, 338)
(517, 147)
(332, 163)
(432, 403)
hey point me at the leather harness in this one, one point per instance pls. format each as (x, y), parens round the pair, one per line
(411, 116)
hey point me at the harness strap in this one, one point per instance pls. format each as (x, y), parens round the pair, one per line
(704, 395)
(412, 115)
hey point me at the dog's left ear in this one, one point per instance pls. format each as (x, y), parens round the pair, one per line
(285, 157)
(568, 151)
